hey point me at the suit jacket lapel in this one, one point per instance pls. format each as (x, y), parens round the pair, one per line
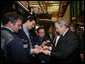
(65, 37)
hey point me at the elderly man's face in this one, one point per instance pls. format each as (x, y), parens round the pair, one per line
(58, 28)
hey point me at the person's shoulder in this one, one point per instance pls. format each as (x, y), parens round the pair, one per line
(71, 35)
(6, 36)
(74, 35)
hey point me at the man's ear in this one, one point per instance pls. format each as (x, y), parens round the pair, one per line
(10, 23)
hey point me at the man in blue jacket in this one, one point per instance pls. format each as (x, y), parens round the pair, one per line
(42, 40)
(11, 44)
(27, 37)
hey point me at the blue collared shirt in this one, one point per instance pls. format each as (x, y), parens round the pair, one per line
(27, 33)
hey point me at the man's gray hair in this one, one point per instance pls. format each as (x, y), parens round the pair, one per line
(62, 22)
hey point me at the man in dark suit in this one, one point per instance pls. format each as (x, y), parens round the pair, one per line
(67, 48)
(41, 37)
(27, 37)
(50, 33)
(42, 40)
(11, 44)
(26, 33)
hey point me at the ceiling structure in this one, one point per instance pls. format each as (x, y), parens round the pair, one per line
(57, 7)
(53, 7)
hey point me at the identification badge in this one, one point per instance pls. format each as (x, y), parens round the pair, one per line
(25, 45)
(25, 41)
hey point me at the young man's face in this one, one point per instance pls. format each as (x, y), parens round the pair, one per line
(31, 24)
(17, 26)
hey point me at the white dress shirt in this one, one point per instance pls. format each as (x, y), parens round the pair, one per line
(8, 28)
(57, 40)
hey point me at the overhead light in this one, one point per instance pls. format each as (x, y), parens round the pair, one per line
(23, 6)
(34, 5)
(55, 4)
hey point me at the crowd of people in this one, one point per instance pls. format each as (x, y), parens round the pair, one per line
(21, 44)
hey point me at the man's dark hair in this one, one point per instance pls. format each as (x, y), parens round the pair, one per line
(39, 29)
(30, 18)
(10, 16)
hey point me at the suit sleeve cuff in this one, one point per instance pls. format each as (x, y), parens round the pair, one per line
(31, 51)
(50, 53)
(50, 48)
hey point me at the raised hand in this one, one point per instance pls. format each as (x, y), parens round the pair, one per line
(48, 41)
(43, 43)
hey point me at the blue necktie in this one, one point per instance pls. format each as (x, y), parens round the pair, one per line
(61, 37)
(59, 41)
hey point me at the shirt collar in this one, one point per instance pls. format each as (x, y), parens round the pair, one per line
(25, 29)
(65, 31)
(8, 28)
